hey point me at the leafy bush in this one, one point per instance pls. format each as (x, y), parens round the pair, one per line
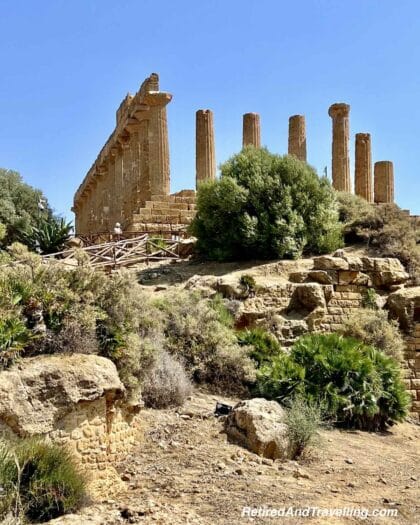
(14, 337)
(372, 327)
(195, 334)
(248, 284)
(40, 481)
(224, 315)
(303, 422)
(384, 227)
(83, 310)
(263, 345)
(370, 299)
(265, 206)
(167, 383)
(357, 385)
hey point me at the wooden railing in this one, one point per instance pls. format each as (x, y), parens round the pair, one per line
(122, 252)
(175, 233)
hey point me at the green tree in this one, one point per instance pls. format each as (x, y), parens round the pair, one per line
(265, 206)
(25, 216)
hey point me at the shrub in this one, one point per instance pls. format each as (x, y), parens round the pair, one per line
(263, 345)
(370, 299)
(384, 227)
(221, 307)
(14, 337)
(195, 334)
(372, 327)
(40, 481)
(83, 310)
(248, 284)
(358, 385)
(167, 383)
(280, 378)
(265, 206)
(303, 422)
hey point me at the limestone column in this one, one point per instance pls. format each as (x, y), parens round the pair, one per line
(126, 180)
(340, 146)
(297, 137)
(384, 181)
(205, 158)
(119, 186)
(363, 167)
(251, 133)
(158, 143)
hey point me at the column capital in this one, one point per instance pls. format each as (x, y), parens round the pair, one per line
(339, 109)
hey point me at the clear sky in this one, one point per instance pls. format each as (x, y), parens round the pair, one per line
(67, 64)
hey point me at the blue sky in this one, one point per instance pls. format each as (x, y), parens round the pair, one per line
(66, 66)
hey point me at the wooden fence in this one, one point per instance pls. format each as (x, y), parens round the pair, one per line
(122, 252)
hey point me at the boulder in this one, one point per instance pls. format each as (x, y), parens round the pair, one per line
(205, 284)
(307, 297)
(39, 391)
(388, 272)
(328, 262)
(404, 305)
(258, 425)
(323, 277)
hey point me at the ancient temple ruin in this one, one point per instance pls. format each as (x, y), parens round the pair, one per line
(129, 183)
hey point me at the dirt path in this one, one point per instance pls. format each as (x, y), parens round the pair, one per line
(185, 472)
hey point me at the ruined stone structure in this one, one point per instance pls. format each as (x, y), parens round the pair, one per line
(77, 401)
(205, 153)
(129, 182)
(130, 177)
(340, 146)
(363, 167)
(297, 137)
(319, 294)
(384, 182)
(251, 132)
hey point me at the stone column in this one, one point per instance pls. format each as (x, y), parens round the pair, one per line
(205, 158)
(340, 147)
(119, 186)
(158, 143)
(297, 137)
(251, 133)
(384, 182)
(126, 180)
(363, 167)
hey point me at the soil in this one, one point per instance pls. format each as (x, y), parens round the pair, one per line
(186, 472)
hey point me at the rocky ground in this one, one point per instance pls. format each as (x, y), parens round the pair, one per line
(186, 472)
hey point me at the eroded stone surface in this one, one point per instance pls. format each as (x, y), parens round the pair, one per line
(363, 167)
(251, 133)
(340, 146)
(258, 425)
(297, 137)
(384, 182)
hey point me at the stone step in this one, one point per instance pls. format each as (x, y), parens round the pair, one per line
(184, 193)
(162, 198)
(187, 200)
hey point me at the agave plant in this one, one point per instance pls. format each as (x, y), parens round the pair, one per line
(49, 236)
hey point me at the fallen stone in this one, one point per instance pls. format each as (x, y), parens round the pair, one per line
(258, 425)
(404, 305)
(327, 262)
